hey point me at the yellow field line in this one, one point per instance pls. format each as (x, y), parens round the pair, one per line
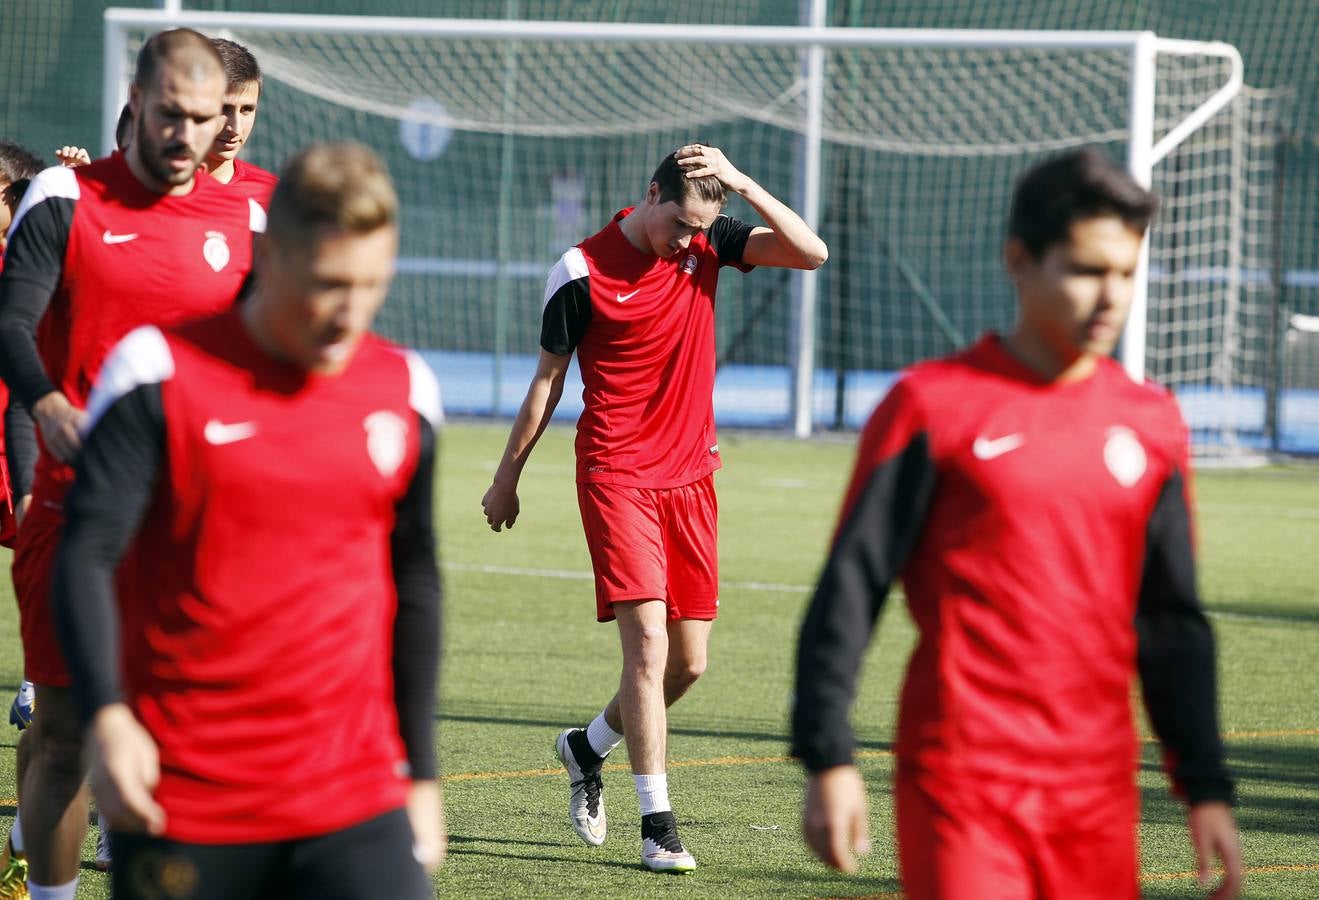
(1249, 870)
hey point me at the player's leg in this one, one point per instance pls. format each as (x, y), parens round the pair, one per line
(53, 791)
(55, 796)
(623, 536)
(956, 843)
(369, 860)
(691, 549)
(644, 634)
(152, 868)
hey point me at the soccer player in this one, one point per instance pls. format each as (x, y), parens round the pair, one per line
(242, 94)
(1035, 502)
(18, 451)
(94, 252)
(636, 303)
(262, 481)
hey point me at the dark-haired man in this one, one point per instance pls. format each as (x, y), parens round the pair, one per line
(1035, 502)
(180, 587)
(242, 94)
(636, 303)
(94, 252)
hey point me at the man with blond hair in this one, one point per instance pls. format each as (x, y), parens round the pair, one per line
(180, 585)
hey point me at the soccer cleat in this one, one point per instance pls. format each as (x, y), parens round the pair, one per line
(13, 877)
(102, 843)
(661, 848)
(24, 705)
(586, 800)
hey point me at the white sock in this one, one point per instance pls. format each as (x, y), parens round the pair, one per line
(16, 833)
(601, 737)
(58, 892)
(652, 793)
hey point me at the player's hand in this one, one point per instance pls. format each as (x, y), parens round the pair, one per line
(21, 507)
(430, 839)
(1214, 837)
(698, 160)
(61, 425)
(836, 820)
(72, 157)
(125, 771)
(501, 506)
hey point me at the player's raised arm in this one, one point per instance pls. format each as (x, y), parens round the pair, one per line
(785, 241)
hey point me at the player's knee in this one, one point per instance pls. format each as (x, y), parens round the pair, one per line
(688, 670)
(61, 755)
(648, 651)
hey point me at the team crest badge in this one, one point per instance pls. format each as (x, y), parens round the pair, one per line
(689, 264)
(216, 250)
(1124, 456)
(386, 441)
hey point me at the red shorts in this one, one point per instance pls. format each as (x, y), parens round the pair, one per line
(34, 563)
(653, 544)
(977, 839)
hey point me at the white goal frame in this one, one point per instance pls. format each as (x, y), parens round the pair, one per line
(1142, 47)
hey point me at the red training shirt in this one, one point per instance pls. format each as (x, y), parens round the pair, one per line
(643, 329)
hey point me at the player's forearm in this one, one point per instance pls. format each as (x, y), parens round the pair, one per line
(114, 481)
(417, 623)
(790, 230)
(20, 446)
(1175, 654)
(530, 423)
(22, 304)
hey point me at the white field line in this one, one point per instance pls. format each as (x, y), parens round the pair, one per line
(587, 576)
(575, 575)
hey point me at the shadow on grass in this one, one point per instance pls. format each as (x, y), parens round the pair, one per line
(1265, 612)
(1277, 790)
(540, 857)
(776, 737)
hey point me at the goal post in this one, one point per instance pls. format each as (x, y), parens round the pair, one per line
(512, 139)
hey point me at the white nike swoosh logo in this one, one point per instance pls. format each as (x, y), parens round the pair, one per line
(217, 432)
(984, 448)
(117, 238)
(623, 298)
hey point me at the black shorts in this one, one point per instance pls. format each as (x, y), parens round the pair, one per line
(364, 862)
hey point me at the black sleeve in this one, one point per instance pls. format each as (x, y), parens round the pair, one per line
(1176, 653)
(20, 446)
(115, 478)
(728, 237)
(869, 552)
(567, 311)
(34, 260)
(417, 626)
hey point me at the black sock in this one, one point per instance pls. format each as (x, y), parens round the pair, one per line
(586, 757)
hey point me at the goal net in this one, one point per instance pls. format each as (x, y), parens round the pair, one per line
(511, 141)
